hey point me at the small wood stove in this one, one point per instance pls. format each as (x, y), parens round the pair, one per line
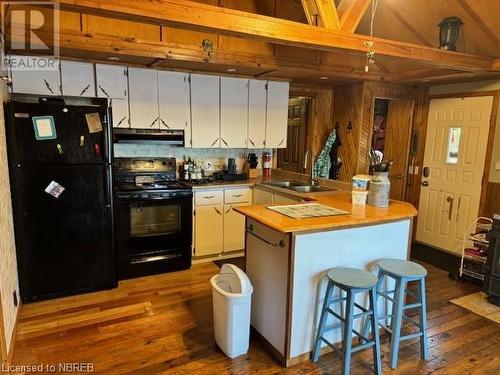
(492, 267)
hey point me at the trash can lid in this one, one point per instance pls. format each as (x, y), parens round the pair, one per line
(234, 280)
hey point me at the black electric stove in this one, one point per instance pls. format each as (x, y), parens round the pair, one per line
(153, 217)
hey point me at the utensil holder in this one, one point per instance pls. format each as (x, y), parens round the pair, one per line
(379, 190)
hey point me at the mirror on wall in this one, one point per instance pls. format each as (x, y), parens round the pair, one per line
(294, 158)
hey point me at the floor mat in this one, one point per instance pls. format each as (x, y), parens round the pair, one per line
(478, 303)
(238, 262)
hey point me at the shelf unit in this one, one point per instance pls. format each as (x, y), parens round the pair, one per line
(471, 264)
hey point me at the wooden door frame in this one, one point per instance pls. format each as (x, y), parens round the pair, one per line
(310, 92)
(491, 134)
(309, 113)
(3, 343)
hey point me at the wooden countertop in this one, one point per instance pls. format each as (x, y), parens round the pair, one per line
(360, 215)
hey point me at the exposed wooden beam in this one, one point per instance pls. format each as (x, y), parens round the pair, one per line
(202, 17)
(80, 44)
(321, 13)
(351, 12)
(328, 14)
(311, 11)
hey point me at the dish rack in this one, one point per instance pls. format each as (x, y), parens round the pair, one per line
(473, 257)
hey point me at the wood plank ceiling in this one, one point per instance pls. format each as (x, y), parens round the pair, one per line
(319, 46)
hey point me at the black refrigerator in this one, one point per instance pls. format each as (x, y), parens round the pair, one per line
(61, 184)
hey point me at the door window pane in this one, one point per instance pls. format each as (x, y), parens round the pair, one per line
(154, 220)
(453, 146)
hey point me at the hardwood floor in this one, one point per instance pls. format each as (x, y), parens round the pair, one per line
(163, 324)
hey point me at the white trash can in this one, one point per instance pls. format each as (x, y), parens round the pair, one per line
(232, 295)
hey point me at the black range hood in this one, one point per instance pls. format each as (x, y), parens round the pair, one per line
(149, 136)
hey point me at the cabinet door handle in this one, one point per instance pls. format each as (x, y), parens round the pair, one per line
(214, 142)
(306, 157)
(228, 211)
(249, 140)
(48, 86)
(224, 142)
(152, 124)
(164, 123)
(237, 195)
(216, 210)
(279, 144)
(458, 207)
(103, 91)
(85, 89)
(209, 196)
(120, 122)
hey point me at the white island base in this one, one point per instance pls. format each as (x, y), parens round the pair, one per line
(288, 273)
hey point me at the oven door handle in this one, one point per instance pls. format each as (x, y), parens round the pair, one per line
(154, 258)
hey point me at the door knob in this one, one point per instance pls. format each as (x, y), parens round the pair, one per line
(425, 183)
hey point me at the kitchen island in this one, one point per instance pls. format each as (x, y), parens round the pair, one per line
(287, 259)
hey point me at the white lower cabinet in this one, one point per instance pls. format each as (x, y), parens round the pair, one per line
(218, 228)
(234, 228)
(208, 226)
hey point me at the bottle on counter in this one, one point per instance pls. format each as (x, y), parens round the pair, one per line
(266, 164)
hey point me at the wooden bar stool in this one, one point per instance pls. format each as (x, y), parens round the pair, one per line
(403, 272)
(351, 281)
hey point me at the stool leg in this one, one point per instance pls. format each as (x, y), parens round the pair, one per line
(322, 322)
(397, 320)
(349, 313)
(424, 349)
(377, 362)
(366, 323)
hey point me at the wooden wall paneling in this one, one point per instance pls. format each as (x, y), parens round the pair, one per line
(121, 28)
(416, 161)
(371, 91)
(489, 150)
(348, 106)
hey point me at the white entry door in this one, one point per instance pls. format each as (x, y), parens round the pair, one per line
(455, 152)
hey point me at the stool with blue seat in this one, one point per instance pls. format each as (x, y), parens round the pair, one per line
(402, 272)
(352, 281)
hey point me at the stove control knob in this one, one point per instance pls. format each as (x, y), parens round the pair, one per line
(144, 195)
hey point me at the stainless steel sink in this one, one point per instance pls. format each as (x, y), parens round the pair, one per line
(296, 186)
(283, 184)
(309, 189)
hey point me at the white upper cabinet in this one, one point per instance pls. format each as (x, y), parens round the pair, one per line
(205, 111)
(143, 97)
(257, 101)
(277, 114)
(77, 79)
(234, 112)
(38, 82)
(174, 102)
(111, 81)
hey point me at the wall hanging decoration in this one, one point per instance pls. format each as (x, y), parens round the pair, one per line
(448, 33)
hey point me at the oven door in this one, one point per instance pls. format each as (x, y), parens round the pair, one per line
(145, 226)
